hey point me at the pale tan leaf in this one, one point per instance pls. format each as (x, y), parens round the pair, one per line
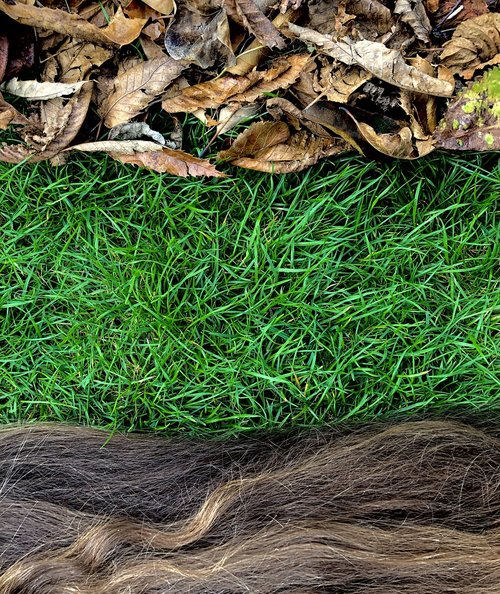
(475, 44)
(134, 89)
(240, 89)
(248, 14)
(337, 82)
(120, 30)
(384, 63)
(252, 55)
(398, 144)
(124, 147)
(39, 91)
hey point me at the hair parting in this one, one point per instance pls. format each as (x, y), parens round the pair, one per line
(403, 508)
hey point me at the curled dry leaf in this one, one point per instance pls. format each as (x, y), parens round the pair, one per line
(239, 89)
(39, 91)
(135, 88)
(120, 30)
(280, 151)
(234, 114)
(153, 156)
(248, 14)
(475, 45)
(384, 63)
(60, 124)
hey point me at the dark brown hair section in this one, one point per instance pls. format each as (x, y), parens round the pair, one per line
(402, 508)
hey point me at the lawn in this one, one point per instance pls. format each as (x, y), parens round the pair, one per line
(133, 300)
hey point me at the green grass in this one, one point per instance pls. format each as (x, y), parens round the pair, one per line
(138, 301)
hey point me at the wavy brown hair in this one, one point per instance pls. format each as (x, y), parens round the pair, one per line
(406, 508)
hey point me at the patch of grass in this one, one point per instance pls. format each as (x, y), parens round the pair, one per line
(134, 300)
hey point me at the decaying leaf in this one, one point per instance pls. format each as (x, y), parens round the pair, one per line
(234, 114)
(135, 88)
(10, 115)
(73, 60)
(475, 44)
(39, 91)
(472, 121)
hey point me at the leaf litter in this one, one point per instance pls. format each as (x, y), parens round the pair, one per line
(274, 85)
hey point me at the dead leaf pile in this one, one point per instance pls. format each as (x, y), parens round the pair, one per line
(276, 85)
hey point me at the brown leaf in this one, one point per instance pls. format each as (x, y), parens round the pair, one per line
(258, 136)
(475, 44)
(199, 38)
(135, 88)
(152, 156)
(384, 63)
(240, 89)
(337, 82)
(248, 14)
(120, 30)
(75, 59)
(284, 152)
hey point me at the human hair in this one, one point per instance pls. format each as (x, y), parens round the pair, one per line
(410, 507)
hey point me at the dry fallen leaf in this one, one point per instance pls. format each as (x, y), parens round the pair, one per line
(39, 91)
(152, 156)
(475, 44)
(372, 75)
(135, 88)
(54, 132)
(248, 14)
(238, 89)
(199, 35)
(120, 30)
